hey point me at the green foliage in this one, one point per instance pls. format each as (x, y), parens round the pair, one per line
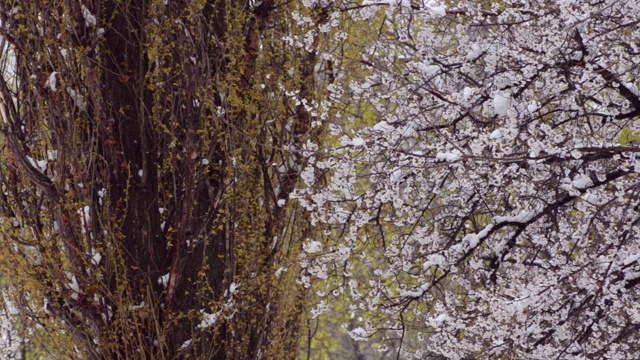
(628, 137)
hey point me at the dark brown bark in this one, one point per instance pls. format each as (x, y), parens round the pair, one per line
(157, 106)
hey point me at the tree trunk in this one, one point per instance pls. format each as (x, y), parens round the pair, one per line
(150, 148)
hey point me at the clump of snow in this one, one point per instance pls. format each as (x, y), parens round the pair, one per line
(279, 272)
(51, 82)
(471, 241)
(89, 19)
(396, 175)
(185, 345)
(52, 155)
(359, 334)
(358, 142)
(382, 126)
(408, 130)
(164, 280)
(632, 87)
(233, 289)
(522, 218)
(73, 286)
(428, 70)
(208, 320)
(138, 307)
(449, 156)
(404, 3)
(475, 52)
(41, 165)
(339, 216)
(436, 9)
(96, 257)
(501, 104)
(631, 275)
(78, 99)
(631, 258)
(85, 218)
(412, 294)
(437, 321)
(499, 247)
(312, 247)
(434, 260)
(281, 202)
(348, 193)
(468, 93)
(101, 194)
(591, 198)
(582, 181)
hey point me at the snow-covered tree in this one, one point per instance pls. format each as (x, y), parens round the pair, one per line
(491, 210)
